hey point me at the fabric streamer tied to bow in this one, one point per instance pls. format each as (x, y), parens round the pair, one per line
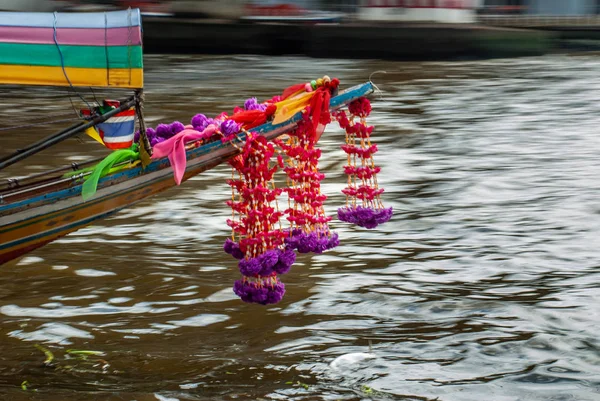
(174, 148)
(253, 118)
(90, 186)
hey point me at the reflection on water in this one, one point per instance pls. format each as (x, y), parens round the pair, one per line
(483, 286)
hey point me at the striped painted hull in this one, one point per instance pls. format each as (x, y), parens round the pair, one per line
(31, 220)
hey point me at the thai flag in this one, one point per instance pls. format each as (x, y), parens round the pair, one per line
(118, 131)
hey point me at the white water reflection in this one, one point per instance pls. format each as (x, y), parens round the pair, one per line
(56, 333)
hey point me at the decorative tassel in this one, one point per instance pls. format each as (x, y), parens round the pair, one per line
(309, 229)
(260, 249)
(361, 170)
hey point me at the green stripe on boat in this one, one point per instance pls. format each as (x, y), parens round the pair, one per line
(73, 56)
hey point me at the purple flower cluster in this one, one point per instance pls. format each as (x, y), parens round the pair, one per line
(200, 122)
(161, 133)
(272, 261)
(315, 241)
(252, 104)
(233, 248)
(230, 127)
(364, 216)
(264, 292)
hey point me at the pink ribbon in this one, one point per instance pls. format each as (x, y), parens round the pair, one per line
(174, 148)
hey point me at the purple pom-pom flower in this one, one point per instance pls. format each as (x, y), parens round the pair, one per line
(269, 258)
(275, 294)
(177, 127)
(228, 246)
(200, 122)
(237, 253)
(291, 242)
(321, 244)
(163, 131)
(156, 140)
(241, 290)
(334, 241)
(233, 248)
(286, 259)
(383, 215)
(249, 267)
(150, 133)
(259, 295)
(252, 104)
(229, 127)
(267, 261)
(307, 242)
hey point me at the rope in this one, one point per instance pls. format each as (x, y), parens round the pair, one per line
(377, 90)
(62, 60)
(106, 49)
(129, 42)
(94, 94)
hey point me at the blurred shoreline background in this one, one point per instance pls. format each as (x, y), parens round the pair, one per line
(383, 29)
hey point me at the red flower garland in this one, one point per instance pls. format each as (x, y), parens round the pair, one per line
(260, 248)
(361, 169)
(309, 229)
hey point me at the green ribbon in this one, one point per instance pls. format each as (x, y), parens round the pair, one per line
(103, 168)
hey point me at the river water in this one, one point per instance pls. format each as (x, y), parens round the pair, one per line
(484, 285)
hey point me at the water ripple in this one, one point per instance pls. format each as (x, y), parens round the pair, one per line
(483, 285)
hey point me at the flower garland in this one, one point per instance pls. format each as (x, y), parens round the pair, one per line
(260, 247)
(263, 251)
(263, 248)
(361, 169)
(309, 229)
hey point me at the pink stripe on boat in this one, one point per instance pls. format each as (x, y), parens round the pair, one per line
(72, 36)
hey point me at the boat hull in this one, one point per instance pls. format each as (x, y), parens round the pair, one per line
(37, 227)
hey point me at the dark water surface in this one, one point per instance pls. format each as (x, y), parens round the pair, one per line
(484, 286)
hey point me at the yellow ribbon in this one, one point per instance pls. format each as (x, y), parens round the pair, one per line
(292, 105)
